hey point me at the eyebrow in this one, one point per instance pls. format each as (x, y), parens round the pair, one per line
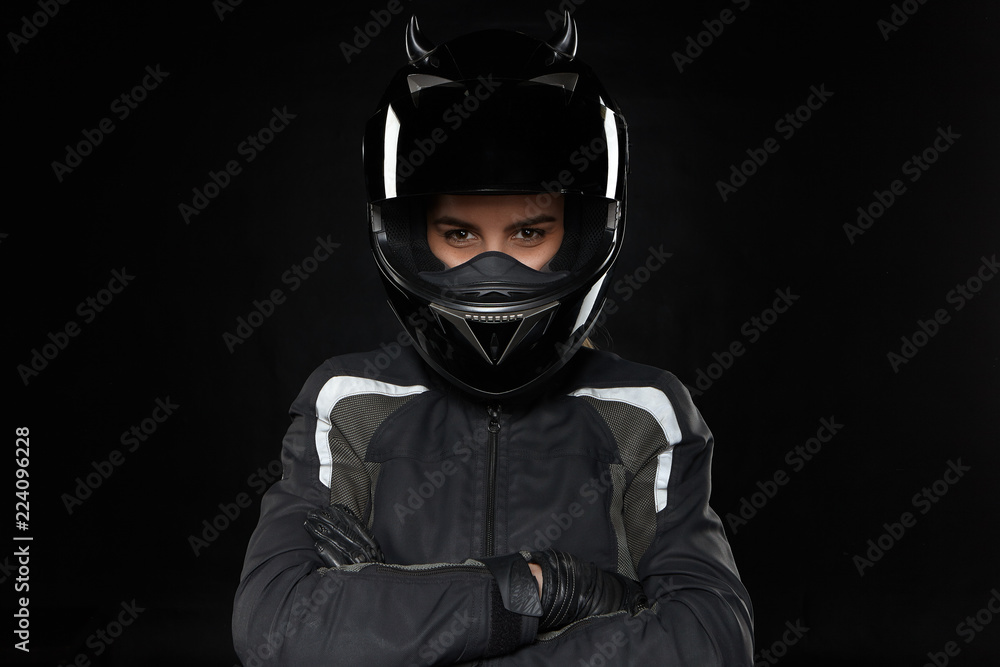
(464, 224)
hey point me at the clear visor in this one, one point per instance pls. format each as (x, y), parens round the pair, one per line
(492, 277)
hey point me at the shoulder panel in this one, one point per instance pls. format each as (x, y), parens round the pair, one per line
(348, 410)
(623, 419)
(645, 429)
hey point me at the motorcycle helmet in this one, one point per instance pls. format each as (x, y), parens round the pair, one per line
(501, 113)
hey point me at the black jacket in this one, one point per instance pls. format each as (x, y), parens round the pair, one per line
(612, 464)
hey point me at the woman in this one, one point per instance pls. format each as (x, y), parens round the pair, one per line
(493, 492)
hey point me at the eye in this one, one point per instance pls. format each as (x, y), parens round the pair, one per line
(458, 236)
(529, 234)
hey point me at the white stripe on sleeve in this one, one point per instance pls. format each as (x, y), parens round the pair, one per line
(335, 389)
(656, 403)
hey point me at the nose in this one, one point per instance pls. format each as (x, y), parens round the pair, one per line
(494, 242)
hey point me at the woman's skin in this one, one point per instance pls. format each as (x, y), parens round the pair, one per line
(459, 227)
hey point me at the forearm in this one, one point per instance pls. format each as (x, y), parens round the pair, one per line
(695, 629)
(373, 614)
(291, 607)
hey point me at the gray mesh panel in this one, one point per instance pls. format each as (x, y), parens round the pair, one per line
(618, 475)
(640, 440)
(640, 511)
(354, 420)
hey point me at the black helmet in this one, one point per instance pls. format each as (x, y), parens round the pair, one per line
(496, 112)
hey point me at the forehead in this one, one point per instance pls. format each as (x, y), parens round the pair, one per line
(496, 208)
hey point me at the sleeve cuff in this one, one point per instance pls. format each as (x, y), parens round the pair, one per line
(514, 604)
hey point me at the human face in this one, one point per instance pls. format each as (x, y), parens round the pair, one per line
(459, 227)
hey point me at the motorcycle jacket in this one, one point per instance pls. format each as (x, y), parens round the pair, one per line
(609, 462)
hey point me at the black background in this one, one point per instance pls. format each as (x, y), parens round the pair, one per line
(826, 357)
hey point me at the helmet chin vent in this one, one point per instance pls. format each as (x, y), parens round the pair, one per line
(498, 319)
(493, 337)
(499, 293)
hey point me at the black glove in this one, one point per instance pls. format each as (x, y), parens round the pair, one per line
(573, 589)
(341, 538)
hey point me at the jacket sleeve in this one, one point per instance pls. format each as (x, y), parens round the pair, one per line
(290, 610)
(701, 614)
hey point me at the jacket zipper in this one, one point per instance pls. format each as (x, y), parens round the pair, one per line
(491, 479)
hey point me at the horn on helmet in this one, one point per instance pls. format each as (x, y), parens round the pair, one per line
(417, 46)
(564, 40)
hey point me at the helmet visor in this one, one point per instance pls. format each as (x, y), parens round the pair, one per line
(492, 278)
